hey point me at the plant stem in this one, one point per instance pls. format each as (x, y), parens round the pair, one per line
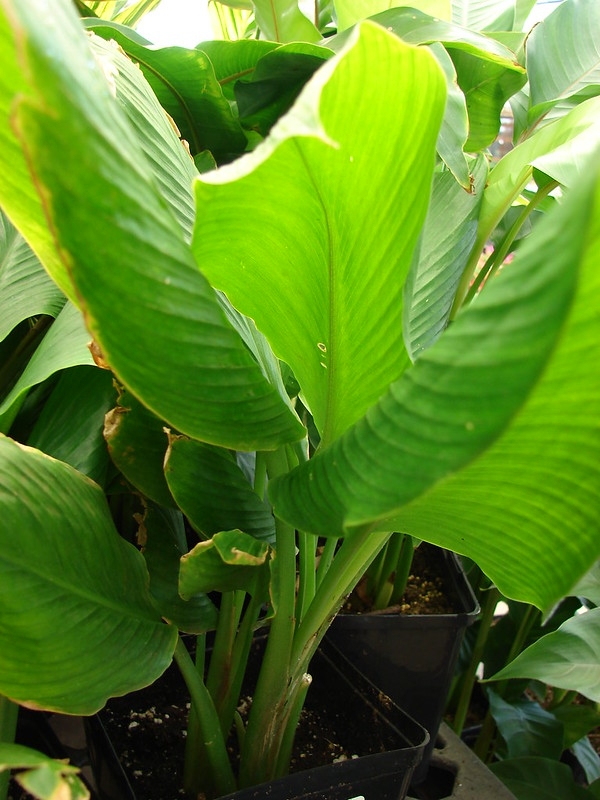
(9, 712)
(219, 673)
(221, 780)
(403, 565)
(485, 623)
(387, 577)
(326, 558)
(238, 661)
(497, 258)
(274, 695)
(287, 742)
(483, 236)
(307, 549)
(561, 697)
(260, 475)
(351, 561)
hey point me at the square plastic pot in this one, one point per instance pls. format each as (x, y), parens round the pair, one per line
(411, 658)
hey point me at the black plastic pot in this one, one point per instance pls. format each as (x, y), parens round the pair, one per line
(346, 694)
(84, 742)
(411, 658)
(336, 686)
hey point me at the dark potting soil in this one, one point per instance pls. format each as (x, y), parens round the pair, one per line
(427, 589)
(148, 730)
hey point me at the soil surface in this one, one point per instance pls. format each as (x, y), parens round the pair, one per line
(426, 592)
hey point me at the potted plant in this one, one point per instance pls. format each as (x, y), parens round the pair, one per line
(309, 291)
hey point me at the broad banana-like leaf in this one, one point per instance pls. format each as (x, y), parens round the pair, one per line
(568, 658)
(213, 491)
(480, 15)
(338, 194)
(232, 60)
(163, 540)
(74, 595)
(137, 442)
(185, 83)
(283, 21)
(455, 123)
(481, 63)
(447, 238)
(229, 560)
(155, 318)
(168, 159)
(489, 445)
(349, 12)
(476, 77)
(25, 288)
(18, 193)
(64, 345)
(69, 427)
(523, 9)
(563, 59)
(276, 81)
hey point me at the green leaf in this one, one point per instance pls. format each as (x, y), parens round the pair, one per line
(78, 624)
(137, 443)
(527, 728)
(25, 288)
(321, 190)
(578, 720)
(453, 452)
(87, 159)
(185, 83)
(588, 758)
(134, 12)
(488, 72)
(166, 156)
(226, 500)
(44, 778)
(275, 83)
(540, 778)
(233, 61)
(18, 192)
(163, 544)
(229, 560)
(455, 124)
(349, 12)
(563, 59)
(282, 21)
(523, 9)
(447, 238)
(480, 15)
(64, 345)
(589, 585)
(69, 427)
(487, 86)
(568, 658)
